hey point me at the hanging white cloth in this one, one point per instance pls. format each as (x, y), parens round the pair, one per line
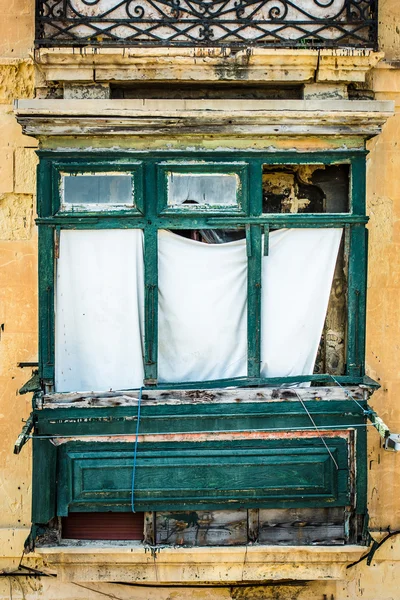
(296, 282)
(202, 307)
(203, 304)
(99, 310)
(202, 310)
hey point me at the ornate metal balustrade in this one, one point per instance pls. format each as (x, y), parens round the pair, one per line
(268, 23)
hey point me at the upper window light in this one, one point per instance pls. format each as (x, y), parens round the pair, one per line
(306, 188)
(205, 189)
(96, 191)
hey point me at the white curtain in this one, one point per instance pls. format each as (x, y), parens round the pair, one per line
(203, 304)
(202, 307)
(202, 332)
(99, 310)
(296, 282)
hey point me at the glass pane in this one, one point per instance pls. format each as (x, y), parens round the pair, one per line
(306, 189)
(98, 188)
(203, 189)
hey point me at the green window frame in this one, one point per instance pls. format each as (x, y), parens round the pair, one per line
(149, 172)
(198, 168)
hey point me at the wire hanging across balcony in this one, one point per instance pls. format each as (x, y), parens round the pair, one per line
(266, 23)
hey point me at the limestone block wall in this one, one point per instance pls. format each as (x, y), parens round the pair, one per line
(18, 265)
(18, 339)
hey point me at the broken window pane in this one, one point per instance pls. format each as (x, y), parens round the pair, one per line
(306, 189)
(331, 356)
(205, 189)
(212, 236)
(90, 190)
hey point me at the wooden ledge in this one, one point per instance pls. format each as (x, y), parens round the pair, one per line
(219, 117)
(106, 561)
(153, 397)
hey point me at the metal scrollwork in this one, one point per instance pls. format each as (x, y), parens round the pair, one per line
(324, 3)
(134, 11)
(273, 23)
(279, 11)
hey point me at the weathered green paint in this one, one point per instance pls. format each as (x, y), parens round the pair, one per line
(187, 476)
(43, 188)
(46, 302)
(233, 167)
(285, 467)
(149, 171)
(356, 304)
(254, 302)
(203, 143)
(197, 418)
(73, 167)
(44, 483)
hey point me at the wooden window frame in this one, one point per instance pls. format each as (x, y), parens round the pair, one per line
(148, 169)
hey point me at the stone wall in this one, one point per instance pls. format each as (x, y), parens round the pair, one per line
(18, 338)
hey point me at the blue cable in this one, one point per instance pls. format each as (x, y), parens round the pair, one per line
(135, 451)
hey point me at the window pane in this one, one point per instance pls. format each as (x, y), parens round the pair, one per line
(203, 189)
(98, 188)
(306, 189)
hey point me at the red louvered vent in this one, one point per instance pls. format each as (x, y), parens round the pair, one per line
(103, 526)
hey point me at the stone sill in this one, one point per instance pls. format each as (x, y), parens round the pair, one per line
(166, 117)
(128, 562)
(206, 65)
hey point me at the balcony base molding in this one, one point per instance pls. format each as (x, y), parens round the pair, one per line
(205, 65)
(129, 562)
(202, 117)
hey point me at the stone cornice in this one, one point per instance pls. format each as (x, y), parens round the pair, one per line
(207, 65)
(102, 561)
(219, 117)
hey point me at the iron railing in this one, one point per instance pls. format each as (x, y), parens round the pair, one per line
(267, 23)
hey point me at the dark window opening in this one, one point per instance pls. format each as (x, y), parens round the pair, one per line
(306, 189)
(212, 236)
(331, 357)
(204, 91)
(103, 526)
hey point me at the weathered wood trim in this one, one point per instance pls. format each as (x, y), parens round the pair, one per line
(202, 528)
(163, 117)
(205, 437)
(149, 529)
(253, 524)
(211, 396)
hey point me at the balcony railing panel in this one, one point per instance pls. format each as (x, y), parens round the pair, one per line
(267, 23)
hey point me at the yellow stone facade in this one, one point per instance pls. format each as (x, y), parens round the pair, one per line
(18, 339)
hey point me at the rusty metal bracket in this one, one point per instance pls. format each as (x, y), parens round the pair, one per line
(24, 435)
(32, 385)
(391, 441)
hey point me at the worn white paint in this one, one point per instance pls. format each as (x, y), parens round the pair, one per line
(239, 117)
